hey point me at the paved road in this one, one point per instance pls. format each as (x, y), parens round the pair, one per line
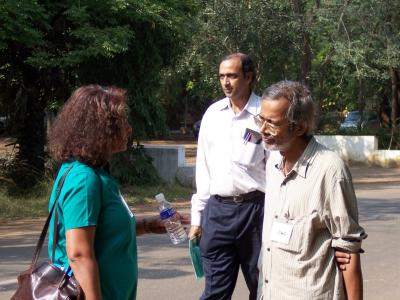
(165, 271)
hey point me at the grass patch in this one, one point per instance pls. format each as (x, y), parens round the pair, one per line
(18, 203)
(21, 204)
(145, 193)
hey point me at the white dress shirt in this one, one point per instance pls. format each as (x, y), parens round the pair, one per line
(226, 163)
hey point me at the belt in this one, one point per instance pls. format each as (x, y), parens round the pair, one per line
(239, 198)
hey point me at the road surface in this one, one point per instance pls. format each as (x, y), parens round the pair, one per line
(165, 271)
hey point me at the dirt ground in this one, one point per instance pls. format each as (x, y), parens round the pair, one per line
(7, 147)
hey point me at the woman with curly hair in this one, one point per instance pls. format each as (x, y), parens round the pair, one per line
(95, 228)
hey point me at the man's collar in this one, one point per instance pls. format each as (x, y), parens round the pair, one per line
(252, 105)
(305, 160)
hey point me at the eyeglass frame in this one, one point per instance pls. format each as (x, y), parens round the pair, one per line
(272, 128)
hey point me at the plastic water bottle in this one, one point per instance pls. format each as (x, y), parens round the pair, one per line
(173, 225)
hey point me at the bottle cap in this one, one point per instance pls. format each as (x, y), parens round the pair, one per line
(160, 197)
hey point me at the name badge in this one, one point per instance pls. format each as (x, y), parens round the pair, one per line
(126, 205)
(281, 232)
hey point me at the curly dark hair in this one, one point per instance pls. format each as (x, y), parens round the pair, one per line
(90, 124)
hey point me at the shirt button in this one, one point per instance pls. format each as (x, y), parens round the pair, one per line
(266, 280)
(276, 216)
(268, 249)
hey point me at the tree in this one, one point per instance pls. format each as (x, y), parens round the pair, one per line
(48, 48)
(346, 51)
(369, 49)
(259, 28)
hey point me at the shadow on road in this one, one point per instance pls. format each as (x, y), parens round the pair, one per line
(9, 287)
(374, 210)
(160, 259)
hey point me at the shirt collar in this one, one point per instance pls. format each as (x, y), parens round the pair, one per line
(305, 160)
(252, 106)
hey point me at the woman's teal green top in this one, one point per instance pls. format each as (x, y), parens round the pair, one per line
(91, 197)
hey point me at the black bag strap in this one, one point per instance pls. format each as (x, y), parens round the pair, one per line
(46, 225)
(55, 233)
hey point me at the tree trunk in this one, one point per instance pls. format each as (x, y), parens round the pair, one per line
(31, 138)
(394, 75)
(361, 102)
(305, 58)
(305, 62)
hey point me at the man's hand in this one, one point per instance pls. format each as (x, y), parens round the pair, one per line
(342, 258)
(194, 231)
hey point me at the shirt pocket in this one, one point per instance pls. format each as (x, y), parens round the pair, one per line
(249, 155)
(302, 233)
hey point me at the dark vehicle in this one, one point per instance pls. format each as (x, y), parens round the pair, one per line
(370, 121)
(196, 128)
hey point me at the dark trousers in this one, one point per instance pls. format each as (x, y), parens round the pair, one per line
(231, 237)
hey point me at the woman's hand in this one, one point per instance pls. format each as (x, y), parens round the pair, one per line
(342, 259)
(153, 224)
(184, 219)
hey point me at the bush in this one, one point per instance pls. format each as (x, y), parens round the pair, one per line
(134, 166)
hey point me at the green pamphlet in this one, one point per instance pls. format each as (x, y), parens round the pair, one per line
(195, 257)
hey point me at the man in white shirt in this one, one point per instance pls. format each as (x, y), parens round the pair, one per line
(228, 207)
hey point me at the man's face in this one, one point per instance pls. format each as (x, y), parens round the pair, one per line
(234, 83)
(278, 134)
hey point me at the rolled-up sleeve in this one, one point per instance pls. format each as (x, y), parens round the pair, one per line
(341, 216)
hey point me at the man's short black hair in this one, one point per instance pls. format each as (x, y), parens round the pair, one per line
(247, 64)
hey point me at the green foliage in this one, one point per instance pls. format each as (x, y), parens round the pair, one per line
(387, 139)
(166, 54)
(49, 48)
(353, 45)
(134, 167)
(223, 27)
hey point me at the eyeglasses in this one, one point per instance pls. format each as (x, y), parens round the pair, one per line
(272, 128)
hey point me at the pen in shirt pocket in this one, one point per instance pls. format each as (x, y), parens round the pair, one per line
(252, 136)
(247, 137)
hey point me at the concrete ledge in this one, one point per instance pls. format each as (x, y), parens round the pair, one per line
(166, 159)
(385, 158)
(169, 160)
(360, 149)
(350, 148)
(185, 175)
